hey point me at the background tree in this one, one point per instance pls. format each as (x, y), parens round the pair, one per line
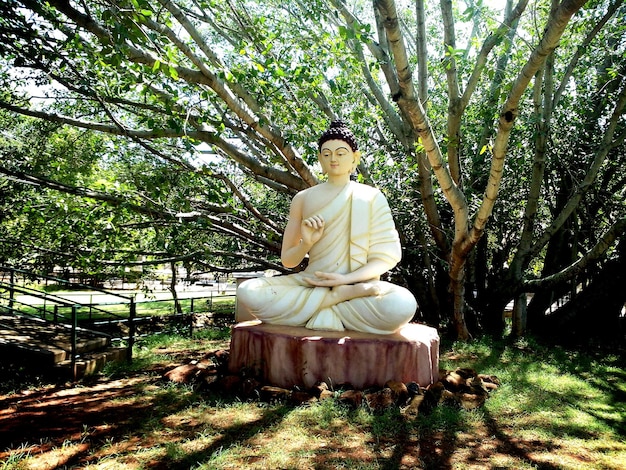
(467, 130)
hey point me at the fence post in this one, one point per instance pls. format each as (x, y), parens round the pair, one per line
(131, 329)
(11, 291)
(73, 345)
(191, 320)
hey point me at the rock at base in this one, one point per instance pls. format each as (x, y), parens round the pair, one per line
(287, 356)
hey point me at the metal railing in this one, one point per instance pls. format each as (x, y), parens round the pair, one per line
(98, 314)
(12, 288)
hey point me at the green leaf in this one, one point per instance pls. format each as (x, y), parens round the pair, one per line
(173, 72)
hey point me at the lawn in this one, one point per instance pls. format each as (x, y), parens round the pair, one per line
(555, 409)
(220, 304)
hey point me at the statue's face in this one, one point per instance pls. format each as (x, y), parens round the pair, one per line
(337, 158)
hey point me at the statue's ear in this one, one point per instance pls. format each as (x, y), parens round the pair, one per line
(319, 159)
(357, 159)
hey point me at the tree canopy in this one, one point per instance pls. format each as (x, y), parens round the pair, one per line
(177, 131)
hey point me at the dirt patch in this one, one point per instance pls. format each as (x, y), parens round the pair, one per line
(41, 419)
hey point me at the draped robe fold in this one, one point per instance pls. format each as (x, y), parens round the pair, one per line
(358, 228)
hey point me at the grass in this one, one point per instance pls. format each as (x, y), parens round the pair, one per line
(217, 304)
(555, 409)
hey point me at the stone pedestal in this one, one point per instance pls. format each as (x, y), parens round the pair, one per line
(285, 356)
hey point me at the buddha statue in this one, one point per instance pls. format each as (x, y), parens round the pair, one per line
(347, 231)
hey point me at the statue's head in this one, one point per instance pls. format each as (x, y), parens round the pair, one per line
(338, 130)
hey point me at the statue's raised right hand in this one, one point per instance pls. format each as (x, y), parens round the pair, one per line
(312, 229)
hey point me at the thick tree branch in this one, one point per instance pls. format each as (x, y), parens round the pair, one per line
(556, 27)
(601, 153)
(615, 232)
(204, 77)
(154, 212)
(416, 116)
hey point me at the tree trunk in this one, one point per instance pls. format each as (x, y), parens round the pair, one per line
(177, 307)
(519, 315)
(457, 288)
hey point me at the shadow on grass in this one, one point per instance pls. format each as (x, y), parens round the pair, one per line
(606, 372)
(55, 414)
(233, 436)
(111, 411)
(438, 437)
(554, 394)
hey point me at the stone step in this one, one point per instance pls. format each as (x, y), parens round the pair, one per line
(88, 364)
(47, 346)
(51, 341)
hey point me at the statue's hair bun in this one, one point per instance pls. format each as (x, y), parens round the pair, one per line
(338, 130)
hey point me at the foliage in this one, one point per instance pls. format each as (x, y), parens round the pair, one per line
(177, 131)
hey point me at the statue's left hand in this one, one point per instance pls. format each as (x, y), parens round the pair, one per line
(327, 279)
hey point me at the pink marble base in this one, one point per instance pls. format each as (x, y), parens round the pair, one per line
(286, 356)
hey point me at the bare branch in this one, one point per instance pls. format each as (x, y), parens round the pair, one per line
(556, 26)
(154, 212)
(570, 272)
(601, 153)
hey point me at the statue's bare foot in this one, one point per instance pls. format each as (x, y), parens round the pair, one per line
(362, 289)
(340, 294)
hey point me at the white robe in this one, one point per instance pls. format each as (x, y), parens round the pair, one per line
(358, 227)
